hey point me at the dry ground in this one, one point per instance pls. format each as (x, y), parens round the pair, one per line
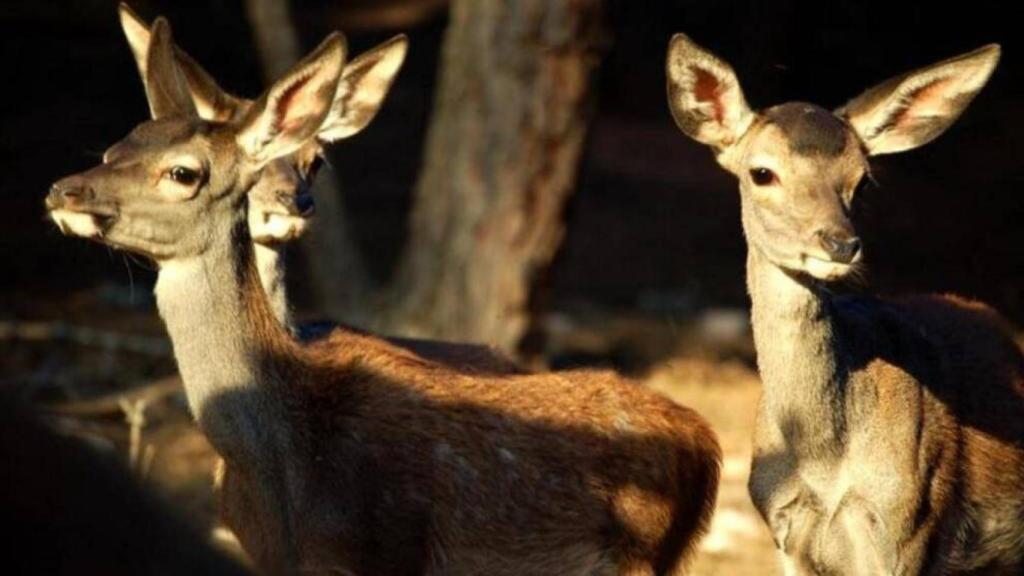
(726, 394)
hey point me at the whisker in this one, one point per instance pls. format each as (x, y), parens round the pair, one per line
(141, 263)
(131, 279)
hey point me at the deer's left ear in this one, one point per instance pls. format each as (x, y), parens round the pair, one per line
(364, 84)
(292, 111)
(166, 88)
(913, 109)
(212, 102)
(704, 95)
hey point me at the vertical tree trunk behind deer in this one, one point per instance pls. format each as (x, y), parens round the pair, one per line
(502, 154)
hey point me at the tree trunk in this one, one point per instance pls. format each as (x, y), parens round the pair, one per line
(502, 155)
(336, 267)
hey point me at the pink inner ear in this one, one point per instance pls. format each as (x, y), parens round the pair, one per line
(927, 100)
(707, 88)
(294, 105)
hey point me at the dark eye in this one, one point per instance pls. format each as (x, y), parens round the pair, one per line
(762, 176)
(184, 176)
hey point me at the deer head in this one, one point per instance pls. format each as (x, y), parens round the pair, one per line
(166, 189)
(281, 203)
(800, 165)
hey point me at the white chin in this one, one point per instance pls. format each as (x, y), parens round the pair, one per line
(825, 270)
(278, 228)
(76, 223)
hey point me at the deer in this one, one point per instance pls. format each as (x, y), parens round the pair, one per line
(281, 205)
(363, 458)
(889, 437)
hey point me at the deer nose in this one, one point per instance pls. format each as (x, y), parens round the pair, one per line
(298, 204)
(839, 247)
(65, 192)
(304, 203)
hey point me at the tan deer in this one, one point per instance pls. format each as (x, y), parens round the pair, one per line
(890, 435)
(280, 203)
(363, 458)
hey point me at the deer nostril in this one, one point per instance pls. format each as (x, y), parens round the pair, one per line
(840, 248)
(72, 192)
(853, 245)
(304, 203)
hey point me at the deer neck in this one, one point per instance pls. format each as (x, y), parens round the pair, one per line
(796, 340)
(229, 347)
(271, 267)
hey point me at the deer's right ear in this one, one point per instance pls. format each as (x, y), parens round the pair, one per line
(704, 95)
(166, 88)
(212, 102)
(364, 84)
(292, 111)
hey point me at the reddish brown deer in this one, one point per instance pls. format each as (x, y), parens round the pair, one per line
(280, 203)
(890, 436)
(363, 458)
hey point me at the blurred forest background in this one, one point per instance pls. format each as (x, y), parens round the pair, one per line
(524, 186)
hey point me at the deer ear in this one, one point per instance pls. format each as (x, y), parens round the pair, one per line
(136, 31)
(913, 109)
(364, 84)
(292, 111)
(165, 84)
(212, 103)
(704, 95)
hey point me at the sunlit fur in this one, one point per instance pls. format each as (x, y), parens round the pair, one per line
(812, 193)
(890, 436)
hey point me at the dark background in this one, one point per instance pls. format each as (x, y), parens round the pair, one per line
(654, 224)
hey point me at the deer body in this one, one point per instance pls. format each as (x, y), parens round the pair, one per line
(370, 458)
(890, 434)
(868, 450)
(357, 456)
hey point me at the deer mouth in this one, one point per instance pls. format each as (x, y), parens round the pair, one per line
(91, 223)
(828, 270)
(274, 227)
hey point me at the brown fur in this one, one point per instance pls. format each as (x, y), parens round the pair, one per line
(409, 466)
(939, 380)
(474, 358)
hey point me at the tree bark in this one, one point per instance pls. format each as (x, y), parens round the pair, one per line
(501, 161)
(335, 264)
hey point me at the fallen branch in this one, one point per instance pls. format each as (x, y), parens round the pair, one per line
(149, 394)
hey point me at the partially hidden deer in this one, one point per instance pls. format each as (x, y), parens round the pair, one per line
(363, 458)
(890, 433)
(281, 205)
